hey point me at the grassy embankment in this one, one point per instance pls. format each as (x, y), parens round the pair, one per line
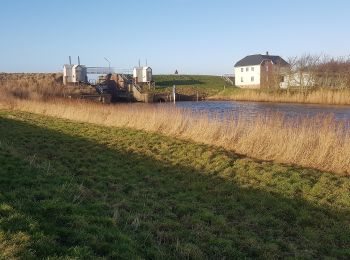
(318, 142)
(70, 189)
(212, 87)
(190, 84)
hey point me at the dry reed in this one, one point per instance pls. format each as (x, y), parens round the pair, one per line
(38, 86)
(317, 142)
(31, 85)
(319, 96)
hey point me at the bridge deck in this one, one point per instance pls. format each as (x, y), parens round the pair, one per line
(107, 70)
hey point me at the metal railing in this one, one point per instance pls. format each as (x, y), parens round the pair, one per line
(107, 70)
(228, 78)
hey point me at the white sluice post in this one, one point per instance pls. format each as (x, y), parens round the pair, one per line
(174, 94)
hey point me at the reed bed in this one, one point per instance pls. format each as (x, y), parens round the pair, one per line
(318, 96)
(318, 142)
(32, 85)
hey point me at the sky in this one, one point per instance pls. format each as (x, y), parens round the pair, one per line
(191, 36)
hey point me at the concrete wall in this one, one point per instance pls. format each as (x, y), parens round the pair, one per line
(67, 74)
(74, 74)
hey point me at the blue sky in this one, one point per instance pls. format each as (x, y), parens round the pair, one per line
(193, 36)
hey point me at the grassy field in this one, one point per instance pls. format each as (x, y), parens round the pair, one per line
(215, 88)
(79, 190)
(191, 84)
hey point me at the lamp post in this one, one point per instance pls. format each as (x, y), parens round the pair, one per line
(109, 64)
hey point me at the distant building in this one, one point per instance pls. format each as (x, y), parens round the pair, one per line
(142, 74)
(74, 74)
(298, 80)
(176, 72)
(260, 71)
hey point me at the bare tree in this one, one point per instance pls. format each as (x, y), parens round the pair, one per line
(334, 72)
(323, 71)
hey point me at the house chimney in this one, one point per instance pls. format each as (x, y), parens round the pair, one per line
(267, 53)
(70, 60)
(78, 60)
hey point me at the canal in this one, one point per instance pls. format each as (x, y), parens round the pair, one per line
(251, 110)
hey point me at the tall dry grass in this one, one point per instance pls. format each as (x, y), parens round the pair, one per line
(318, 142)
(318, 96)
(38, 86)
(31, 85)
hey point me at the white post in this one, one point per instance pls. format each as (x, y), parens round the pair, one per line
(174, 93)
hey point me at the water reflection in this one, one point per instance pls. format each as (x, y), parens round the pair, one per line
(251, 110)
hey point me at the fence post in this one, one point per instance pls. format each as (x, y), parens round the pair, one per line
(174, 93)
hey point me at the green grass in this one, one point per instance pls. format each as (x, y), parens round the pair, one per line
(205, 85)
(216, 88)
(78, 190)
(190, 84)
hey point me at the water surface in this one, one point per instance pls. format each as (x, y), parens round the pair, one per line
(251, 110)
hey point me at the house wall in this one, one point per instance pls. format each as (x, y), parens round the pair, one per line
(244, 78)
(272, 75)
(267, 77)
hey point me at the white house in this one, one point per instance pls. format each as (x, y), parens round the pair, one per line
(259, 71)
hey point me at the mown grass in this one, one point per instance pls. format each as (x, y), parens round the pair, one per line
(80, 190)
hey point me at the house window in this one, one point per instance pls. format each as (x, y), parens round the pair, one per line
(252, 68)
(241, 79)
(246, 69)
(252, 78)
(241, 69)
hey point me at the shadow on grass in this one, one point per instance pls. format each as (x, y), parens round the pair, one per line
(66, 196)
(180, 82)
